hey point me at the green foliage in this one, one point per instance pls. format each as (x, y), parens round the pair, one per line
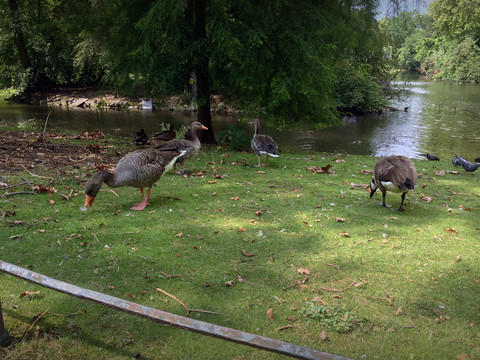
(357, 91)
(236, 138)
(334, 317)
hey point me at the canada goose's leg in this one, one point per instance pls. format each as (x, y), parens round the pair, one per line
(401, 204)
(384, 193)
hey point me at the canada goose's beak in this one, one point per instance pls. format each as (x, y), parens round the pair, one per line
(204, 127)
(89, 200)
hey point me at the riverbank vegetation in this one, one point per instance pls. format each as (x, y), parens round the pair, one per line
(297, 251)
(289, 61)
(442, 44)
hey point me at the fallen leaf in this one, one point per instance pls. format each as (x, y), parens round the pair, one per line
(323, 336)
(248, 254)
(240, 229)
(234, 198)
(462, 357)
(229, 283)
(212, 181)
(459, 258)
(51, 202)
(426, 198)
(322, 170)
(339, 219)
(345, 234)
(29, 293)
(303, 271)
(399, 311)
(270, 314)
(179, 235)
(451, 230)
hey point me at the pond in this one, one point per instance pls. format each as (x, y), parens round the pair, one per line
(442, 119)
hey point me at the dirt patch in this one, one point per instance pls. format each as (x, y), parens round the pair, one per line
(35, 152)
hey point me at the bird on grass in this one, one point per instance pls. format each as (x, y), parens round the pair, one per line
(263, 144)
(191, 147)
(165, 135)
(140, 138)
(468, 166)
(396, 174)
(430, 157)
(139, 169)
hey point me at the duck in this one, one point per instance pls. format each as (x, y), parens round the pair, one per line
(396, 174)
(139, 169)
(191, 147)
(477, 160)
(263, 144)
(468, 166)
(140, 138)
(165, 135)
(430, 157)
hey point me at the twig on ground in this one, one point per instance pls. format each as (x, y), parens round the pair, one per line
(185, 306)
(33, 324)
(335, 290)
(335, 266)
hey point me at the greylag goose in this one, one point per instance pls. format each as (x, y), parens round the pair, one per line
(139, 169)
(140, 138)
(468, 166)
(263, 144)
(393, 173)
(192, 146)
(165, 135)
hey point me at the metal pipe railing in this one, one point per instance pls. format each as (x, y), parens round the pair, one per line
(233, 335)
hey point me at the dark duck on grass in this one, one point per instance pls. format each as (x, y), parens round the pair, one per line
(468, 166)
(430, 157)
(165, 135)
(396, 174)
(140, 169)
(263, 144)
(140, 138)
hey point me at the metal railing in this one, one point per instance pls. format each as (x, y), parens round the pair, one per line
(185, 323)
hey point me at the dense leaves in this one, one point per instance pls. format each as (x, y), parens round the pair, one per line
(299, 61)
(442, 43)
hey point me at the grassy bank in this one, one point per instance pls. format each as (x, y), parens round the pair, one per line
(383, 284)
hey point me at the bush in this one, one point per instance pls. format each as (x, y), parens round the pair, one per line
(236, 138)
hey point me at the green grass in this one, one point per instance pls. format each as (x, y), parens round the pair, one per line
(412, 277)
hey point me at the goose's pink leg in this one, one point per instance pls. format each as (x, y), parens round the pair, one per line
(143, 204)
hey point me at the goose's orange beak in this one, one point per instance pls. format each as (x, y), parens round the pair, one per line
(204, 127)
(89, 200)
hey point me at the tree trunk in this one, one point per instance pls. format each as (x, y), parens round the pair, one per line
(18, 37)
(202, 71)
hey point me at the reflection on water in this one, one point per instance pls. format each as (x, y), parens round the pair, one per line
(442, 119)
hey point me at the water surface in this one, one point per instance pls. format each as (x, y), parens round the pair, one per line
(442, 119)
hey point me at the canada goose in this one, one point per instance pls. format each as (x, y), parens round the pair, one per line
(165, 135)
(263, 144)
(430, 157)
(393, 173)
(192, 147)
(140, 138)
(468, 166)
(139, 169)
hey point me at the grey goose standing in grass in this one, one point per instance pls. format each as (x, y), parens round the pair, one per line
(192, 147)
(263, 144)
(140, 169)
(393, 173)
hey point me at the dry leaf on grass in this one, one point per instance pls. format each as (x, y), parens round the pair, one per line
(452, 230)
(270, 314)
(426, 198)
(322, 170)
(303, 271)
(29, 293)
